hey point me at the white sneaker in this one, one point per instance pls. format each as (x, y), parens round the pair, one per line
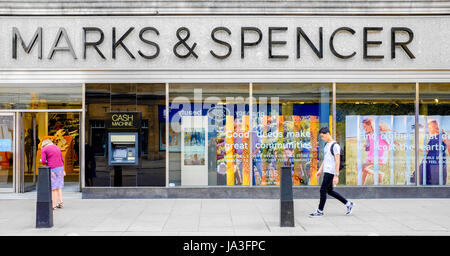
(350, 208)
(316, 214)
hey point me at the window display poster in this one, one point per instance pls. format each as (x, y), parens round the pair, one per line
(277, 140)
(287, 140)
(434, 148)
(232, 152)
(174, 139)
(379, 149)
(194, 146)
(221, 162)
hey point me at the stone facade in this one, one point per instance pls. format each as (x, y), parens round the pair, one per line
(163, 7)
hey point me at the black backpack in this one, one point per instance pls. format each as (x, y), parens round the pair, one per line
(341, 156)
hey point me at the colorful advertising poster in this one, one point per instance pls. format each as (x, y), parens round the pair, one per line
(271, 140)
(288, 140)
(194, 146)
(232, 151)
(379, 149)
(174, 139)
(434, 148)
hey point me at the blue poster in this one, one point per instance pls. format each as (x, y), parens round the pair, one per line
(5, 145)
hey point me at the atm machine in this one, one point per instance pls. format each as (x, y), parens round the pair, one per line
(123, 142)
(123, 148)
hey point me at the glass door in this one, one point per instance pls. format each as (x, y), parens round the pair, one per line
(7, 163)
(30, 141)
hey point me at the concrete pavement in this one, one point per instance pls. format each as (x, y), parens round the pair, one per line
(255, 217)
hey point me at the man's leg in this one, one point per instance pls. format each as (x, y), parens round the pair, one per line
(335, 194)
(326, 182)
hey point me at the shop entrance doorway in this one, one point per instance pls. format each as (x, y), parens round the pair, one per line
(63, 128)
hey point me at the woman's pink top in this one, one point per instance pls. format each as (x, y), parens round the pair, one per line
(383, 147)
(51, 156)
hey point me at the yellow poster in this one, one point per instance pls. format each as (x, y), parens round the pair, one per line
(229, 155)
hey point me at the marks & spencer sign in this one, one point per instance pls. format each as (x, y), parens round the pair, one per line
(223, 42)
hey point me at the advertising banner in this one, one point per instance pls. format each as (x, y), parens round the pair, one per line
(194, 146)
(285, 140)
(379, 149)
(434, 147)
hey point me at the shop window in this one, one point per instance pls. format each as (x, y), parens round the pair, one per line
(434, 130)
(208, 134)
(40, 96)
(375, 125)
(285, 131)
(123, 135)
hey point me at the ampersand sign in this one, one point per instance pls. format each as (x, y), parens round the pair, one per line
(183, 42)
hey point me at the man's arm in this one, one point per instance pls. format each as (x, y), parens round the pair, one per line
(337, 159)
(320, 170)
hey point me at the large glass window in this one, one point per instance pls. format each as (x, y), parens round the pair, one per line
(40, 96)
(434, 130)
(375, 125)
(285, 131)
(213, 139)
(123, 135)
(208, 134)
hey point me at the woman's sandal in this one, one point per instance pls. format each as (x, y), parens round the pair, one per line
(60, 205)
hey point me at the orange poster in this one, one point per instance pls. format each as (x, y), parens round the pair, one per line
(246, 152)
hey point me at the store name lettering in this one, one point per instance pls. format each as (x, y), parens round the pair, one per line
(187, 47)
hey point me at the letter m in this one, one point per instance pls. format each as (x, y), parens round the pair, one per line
(27, 48)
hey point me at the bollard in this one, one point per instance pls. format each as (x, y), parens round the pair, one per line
(44, 210)
(286, 198)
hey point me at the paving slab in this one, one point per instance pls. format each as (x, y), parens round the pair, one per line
(229, 217)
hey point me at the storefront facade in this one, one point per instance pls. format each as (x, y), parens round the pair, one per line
(196, 103)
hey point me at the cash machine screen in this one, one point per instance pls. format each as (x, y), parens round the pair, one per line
(123, 149)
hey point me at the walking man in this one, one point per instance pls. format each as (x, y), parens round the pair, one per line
(330, 167)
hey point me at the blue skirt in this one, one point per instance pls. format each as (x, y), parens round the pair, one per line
(57, 177)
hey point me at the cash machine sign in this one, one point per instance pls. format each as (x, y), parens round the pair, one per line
(122, 120)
